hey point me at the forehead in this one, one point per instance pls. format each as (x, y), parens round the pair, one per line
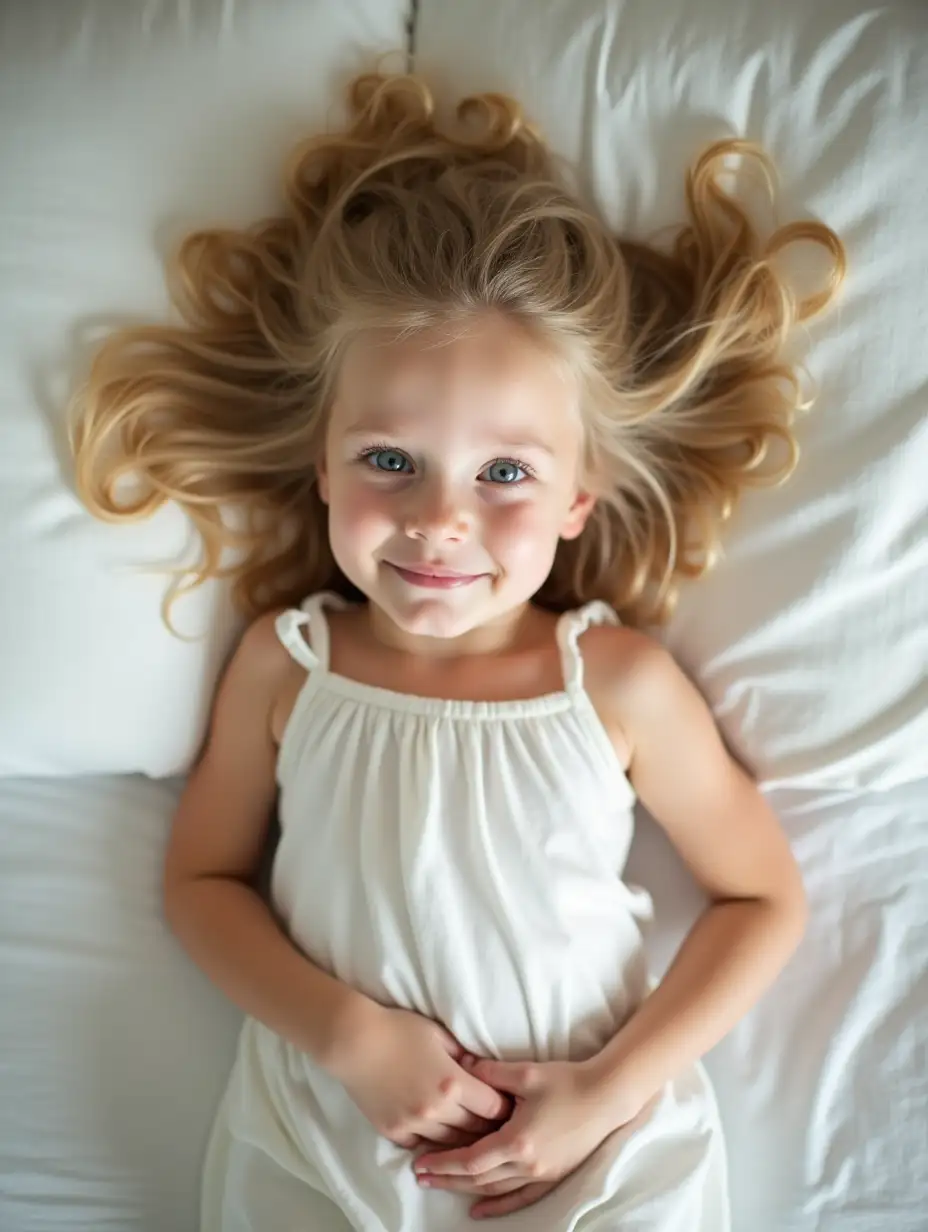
(487, 372)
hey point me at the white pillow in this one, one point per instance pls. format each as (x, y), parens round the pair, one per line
(811, 640)
(125, 125)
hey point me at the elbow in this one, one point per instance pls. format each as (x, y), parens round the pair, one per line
(781, 915)
(791, 908)
(189, 898)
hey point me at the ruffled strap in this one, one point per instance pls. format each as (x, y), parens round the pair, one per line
(289, 626)
(569, 628)
(311, 651)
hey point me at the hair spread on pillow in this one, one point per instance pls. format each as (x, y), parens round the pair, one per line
(402, 223)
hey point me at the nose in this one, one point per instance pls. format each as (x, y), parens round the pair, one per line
(436, 515)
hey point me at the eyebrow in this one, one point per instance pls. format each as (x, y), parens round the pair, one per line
(527, 443)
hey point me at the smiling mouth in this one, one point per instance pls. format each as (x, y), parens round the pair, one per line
(433, 578)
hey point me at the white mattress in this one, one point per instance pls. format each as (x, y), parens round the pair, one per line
(123, 124)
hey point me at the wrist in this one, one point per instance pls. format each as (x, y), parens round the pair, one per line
(347, 1028)
(614, 1080)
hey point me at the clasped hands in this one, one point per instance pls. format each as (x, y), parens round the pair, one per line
(506, 1132)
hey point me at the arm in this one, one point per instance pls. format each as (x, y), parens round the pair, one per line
(213, 855)
(732, 843)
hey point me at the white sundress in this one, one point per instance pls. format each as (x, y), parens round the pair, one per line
(462, 859)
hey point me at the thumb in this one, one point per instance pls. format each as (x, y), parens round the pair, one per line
(514, 1077)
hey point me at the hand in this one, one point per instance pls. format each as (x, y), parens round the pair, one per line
(561, 1116)
(403, 1072)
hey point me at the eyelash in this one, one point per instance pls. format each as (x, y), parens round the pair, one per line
(383, 447)
(530, 472)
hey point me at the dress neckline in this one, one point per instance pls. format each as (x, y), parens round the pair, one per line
(320, 679)
(305, 631)
(464, 708)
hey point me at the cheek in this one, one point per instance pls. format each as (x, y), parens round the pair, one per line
(358, 514)
(524, 533)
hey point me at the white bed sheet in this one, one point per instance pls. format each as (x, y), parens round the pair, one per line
(114, 1050)
(823, 1088)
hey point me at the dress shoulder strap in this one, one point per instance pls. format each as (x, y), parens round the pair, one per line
(569, 628)
(309, 648)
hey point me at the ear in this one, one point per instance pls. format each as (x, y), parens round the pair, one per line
(577, 515)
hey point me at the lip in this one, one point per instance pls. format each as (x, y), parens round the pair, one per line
(434, 578)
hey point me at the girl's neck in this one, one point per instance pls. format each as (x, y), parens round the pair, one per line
(509, 632)
(516, 659)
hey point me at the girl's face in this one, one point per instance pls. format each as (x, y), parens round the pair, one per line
(451, 470)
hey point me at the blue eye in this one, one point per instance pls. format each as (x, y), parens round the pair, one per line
(390, 460)
(504, 471)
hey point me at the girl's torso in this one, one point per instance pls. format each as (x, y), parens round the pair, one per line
(462, 857)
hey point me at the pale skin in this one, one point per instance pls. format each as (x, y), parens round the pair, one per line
(465, 459)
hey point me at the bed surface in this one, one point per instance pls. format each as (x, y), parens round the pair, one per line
(123, 125)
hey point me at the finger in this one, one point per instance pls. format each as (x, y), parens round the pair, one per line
(457, 1139)
(481, 1099)
(492, 1151)
(500, 1181)
(527, 1195)
(430, 1147)
(409, 1142)
(460, 1118)
(445, 1136)
(516, 1077)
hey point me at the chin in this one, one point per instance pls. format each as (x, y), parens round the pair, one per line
(433, 618)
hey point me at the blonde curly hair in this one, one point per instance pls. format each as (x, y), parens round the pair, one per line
(399, 222)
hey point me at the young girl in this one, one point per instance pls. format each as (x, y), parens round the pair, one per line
(461, 429)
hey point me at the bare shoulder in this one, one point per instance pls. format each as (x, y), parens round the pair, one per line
(632, 680)
(624, 663)
(259, 672)
(260, 647)
(260, 658)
